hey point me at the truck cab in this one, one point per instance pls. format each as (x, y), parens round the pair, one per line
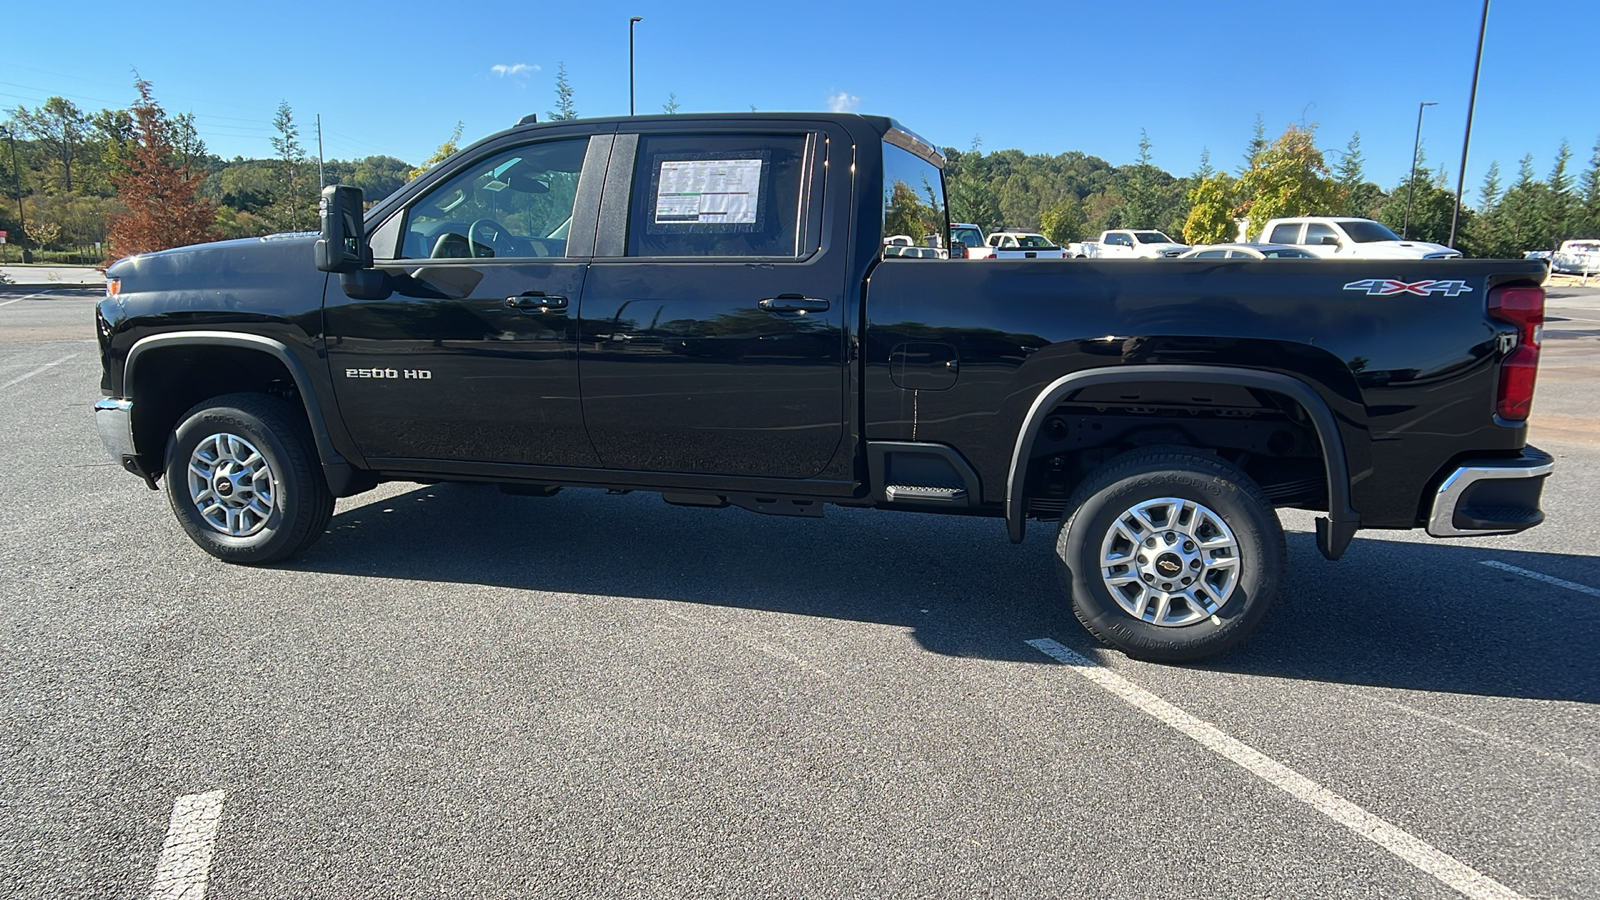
(1350, 238)
(1136, 243)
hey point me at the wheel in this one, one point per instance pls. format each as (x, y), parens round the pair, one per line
(1171, 555)
(243, 479)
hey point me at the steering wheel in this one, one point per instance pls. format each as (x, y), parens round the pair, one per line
(479, 227)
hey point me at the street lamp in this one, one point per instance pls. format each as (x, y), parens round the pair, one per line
(632, 21)
(1466, 139)
(1411, 185)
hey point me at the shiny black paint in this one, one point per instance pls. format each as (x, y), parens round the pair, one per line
(1409, 379)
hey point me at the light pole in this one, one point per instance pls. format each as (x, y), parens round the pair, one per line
(1411, 184)
(1466, 139)
(632, 21)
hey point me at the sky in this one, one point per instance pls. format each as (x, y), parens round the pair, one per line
(1043, 78)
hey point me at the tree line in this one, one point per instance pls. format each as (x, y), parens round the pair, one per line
(1073, 196)
(76, 175)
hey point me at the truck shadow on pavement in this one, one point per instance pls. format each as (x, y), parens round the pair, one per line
(1398, 614)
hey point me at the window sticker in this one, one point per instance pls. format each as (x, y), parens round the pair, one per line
(708, 192)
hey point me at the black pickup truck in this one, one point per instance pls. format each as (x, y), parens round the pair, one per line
(702, 306)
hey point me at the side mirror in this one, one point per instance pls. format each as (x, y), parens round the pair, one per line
(1329, 240)
(343, 246)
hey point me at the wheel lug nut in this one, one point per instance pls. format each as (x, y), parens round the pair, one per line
(1149, 577)
(1194, 563)
(1187, 579)
(1188, 546)
(1151, 542)
(1172, 538)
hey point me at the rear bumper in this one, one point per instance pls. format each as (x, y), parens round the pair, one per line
(1491, 496)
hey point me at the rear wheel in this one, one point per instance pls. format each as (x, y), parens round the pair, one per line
(243, 480)
(1171, 555)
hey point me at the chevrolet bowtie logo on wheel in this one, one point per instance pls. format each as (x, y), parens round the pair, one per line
(1386, 287)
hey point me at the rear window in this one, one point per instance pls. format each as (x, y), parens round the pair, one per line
(971, 237)
(1035, 242)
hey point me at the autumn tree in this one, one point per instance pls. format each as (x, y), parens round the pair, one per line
(160, 192)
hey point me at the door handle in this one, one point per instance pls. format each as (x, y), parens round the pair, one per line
(536, 301)
(793, 303)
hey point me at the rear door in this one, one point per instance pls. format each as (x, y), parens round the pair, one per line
(712, 335)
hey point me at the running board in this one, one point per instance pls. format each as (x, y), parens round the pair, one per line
(921, 493)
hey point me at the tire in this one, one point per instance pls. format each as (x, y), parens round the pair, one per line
(255, 492)
(1204, 511)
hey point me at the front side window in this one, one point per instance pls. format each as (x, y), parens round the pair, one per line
(1316, 231)
(913, 195)
(1366, 231)
(1120, 240)
(718, 195)
(1288, 253)
(1212, 254)
(1152, 237)
(513, 204)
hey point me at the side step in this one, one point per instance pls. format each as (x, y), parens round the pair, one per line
(925, 493)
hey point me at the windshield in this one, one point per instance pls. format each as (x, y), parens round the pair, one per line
(1152, 237)
(972, 237)
(1034, 242)
(1288, 253)
(1365, 231)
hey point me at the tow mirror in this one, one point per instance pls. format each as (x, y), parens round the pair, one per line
(343, 246)
(1330, 241)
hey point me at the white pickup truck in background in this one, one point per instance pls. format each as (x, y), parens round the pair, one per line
(971, 236)
(1023, 245)
(1128, 243)
(1347, 238)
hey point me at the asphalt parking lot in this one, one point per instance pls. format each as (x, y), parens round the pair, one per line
(465, 694)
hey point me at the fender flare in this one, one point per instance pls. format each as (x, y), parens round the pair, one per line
(335, 467)
(1334, 532)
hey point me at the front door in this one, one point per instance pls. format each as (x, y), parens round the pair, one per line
(473, 355)
(712, 340)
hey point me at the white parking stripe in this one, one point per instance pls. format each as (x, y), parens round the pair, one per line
(185, 862)
(1540, 576)
(49, 365)
(1424, 856)
(25, 297)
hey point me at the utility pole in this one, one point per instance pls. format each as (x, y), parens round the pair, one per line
(321, 181)
(632, 21)
(1466, 140)
(1411, 184)
(16, 180)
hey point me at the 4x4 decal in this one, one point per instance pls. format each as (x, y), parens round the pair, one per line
(1386, 287)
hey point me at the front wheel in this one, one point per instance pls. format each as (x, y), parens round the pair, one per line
(243, 479)
(1171, 555)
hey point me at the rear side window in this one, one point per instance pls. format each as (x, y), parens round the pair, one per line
(913, 197)
(1287, 233)
(717, 195)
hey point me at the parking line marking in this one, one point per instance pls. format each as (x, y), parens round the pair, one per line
(49, 365)
(1489, 735)
(25, 297)
(185, 862)
(1540, 576)
(1424, 856)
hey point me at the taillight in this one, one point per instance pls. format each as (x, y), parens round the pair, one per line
(1522, 307)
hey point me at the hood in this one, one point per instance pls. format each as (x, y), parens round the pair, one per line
(273, 276)
(1404, 250)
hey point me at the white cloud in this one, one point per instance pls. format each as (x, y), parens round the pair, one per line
(843, 102)
(513, 70)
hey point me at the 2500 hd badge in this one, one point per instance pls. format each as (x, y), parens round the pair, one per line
(419, 374)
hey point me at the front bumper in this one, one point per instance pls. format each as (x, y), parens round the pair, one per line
(114, 420)
(1491, 496)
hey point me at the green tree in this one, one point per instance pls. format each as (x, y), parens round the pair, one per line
(445, 151)
(61, 128)
(1256, 147)
(292, 207)
(1562, 202)
(1211, 206)
(1141, 196)
(1064, 222)
(1521, 217)
(1206, 170)
(1431, 206)
(1589, 195)
(1489, 193)
(1289, 178)
(564, 110)
(671, 106)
